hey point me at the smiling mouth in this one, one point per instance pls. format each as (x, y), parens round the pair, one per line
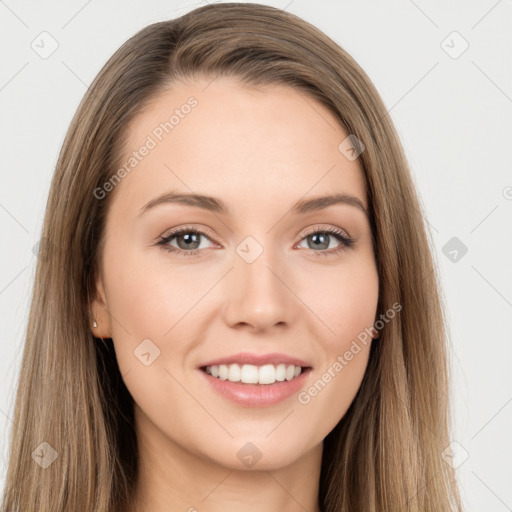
(252, 374)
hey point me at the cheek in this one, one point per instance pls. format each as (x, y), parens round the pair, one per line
(148, 322)
(344, 299)
(155, 310)
(349, 308)
(147, 298)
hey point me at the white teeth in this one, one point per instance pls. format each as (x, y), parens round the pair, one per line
(249, 374)
(280, 372)
(234, 373)
(267, 374)
(223, 372)
(252, 374)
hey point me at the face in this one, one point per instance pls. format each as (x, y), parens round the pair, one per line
(258, 276)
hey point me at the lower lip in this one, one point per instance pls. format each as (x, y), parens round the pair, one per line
(257, 395)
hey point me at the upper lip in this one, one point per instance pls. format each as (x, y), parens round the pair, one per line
(257, 360)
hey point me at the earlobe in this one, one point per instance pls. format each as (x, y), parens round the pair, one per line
(99, 315)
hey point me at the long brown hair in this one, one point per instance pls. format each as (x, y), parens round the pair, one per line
(385, 454)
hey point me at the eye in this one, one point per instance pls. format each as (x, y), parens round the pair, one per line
(321, 238)
(188, 241)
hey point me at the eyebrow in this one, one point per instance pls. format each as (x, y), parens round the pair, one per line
(216, 205)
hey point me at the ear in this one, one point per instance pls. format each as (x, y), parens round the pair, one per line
(100, 311)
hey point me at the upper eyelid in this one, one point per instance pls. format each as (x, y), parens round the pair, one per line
(206, 232)
(317, 228)
(186, 229)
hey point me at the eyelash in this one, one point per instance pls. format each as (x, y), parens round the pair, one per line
(346, 242)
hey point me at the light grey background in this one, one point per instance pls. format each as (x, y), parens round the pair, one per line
(453, 113)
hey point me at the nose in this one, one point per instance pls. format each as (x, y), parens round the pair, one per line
(259, 295)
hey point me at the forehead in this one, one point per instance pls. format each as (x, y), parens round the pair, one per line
(248, 145)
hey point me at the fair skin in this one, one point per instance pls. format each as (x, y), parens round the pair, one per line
(259, 151)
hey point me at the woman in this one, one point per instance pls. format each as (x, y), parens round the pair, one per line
(237, 307)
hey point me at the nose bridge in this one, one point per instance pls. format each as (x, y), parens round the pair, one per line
(257, 293)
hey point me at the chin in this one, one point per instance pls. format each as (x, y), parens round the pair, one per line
(258, 453)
